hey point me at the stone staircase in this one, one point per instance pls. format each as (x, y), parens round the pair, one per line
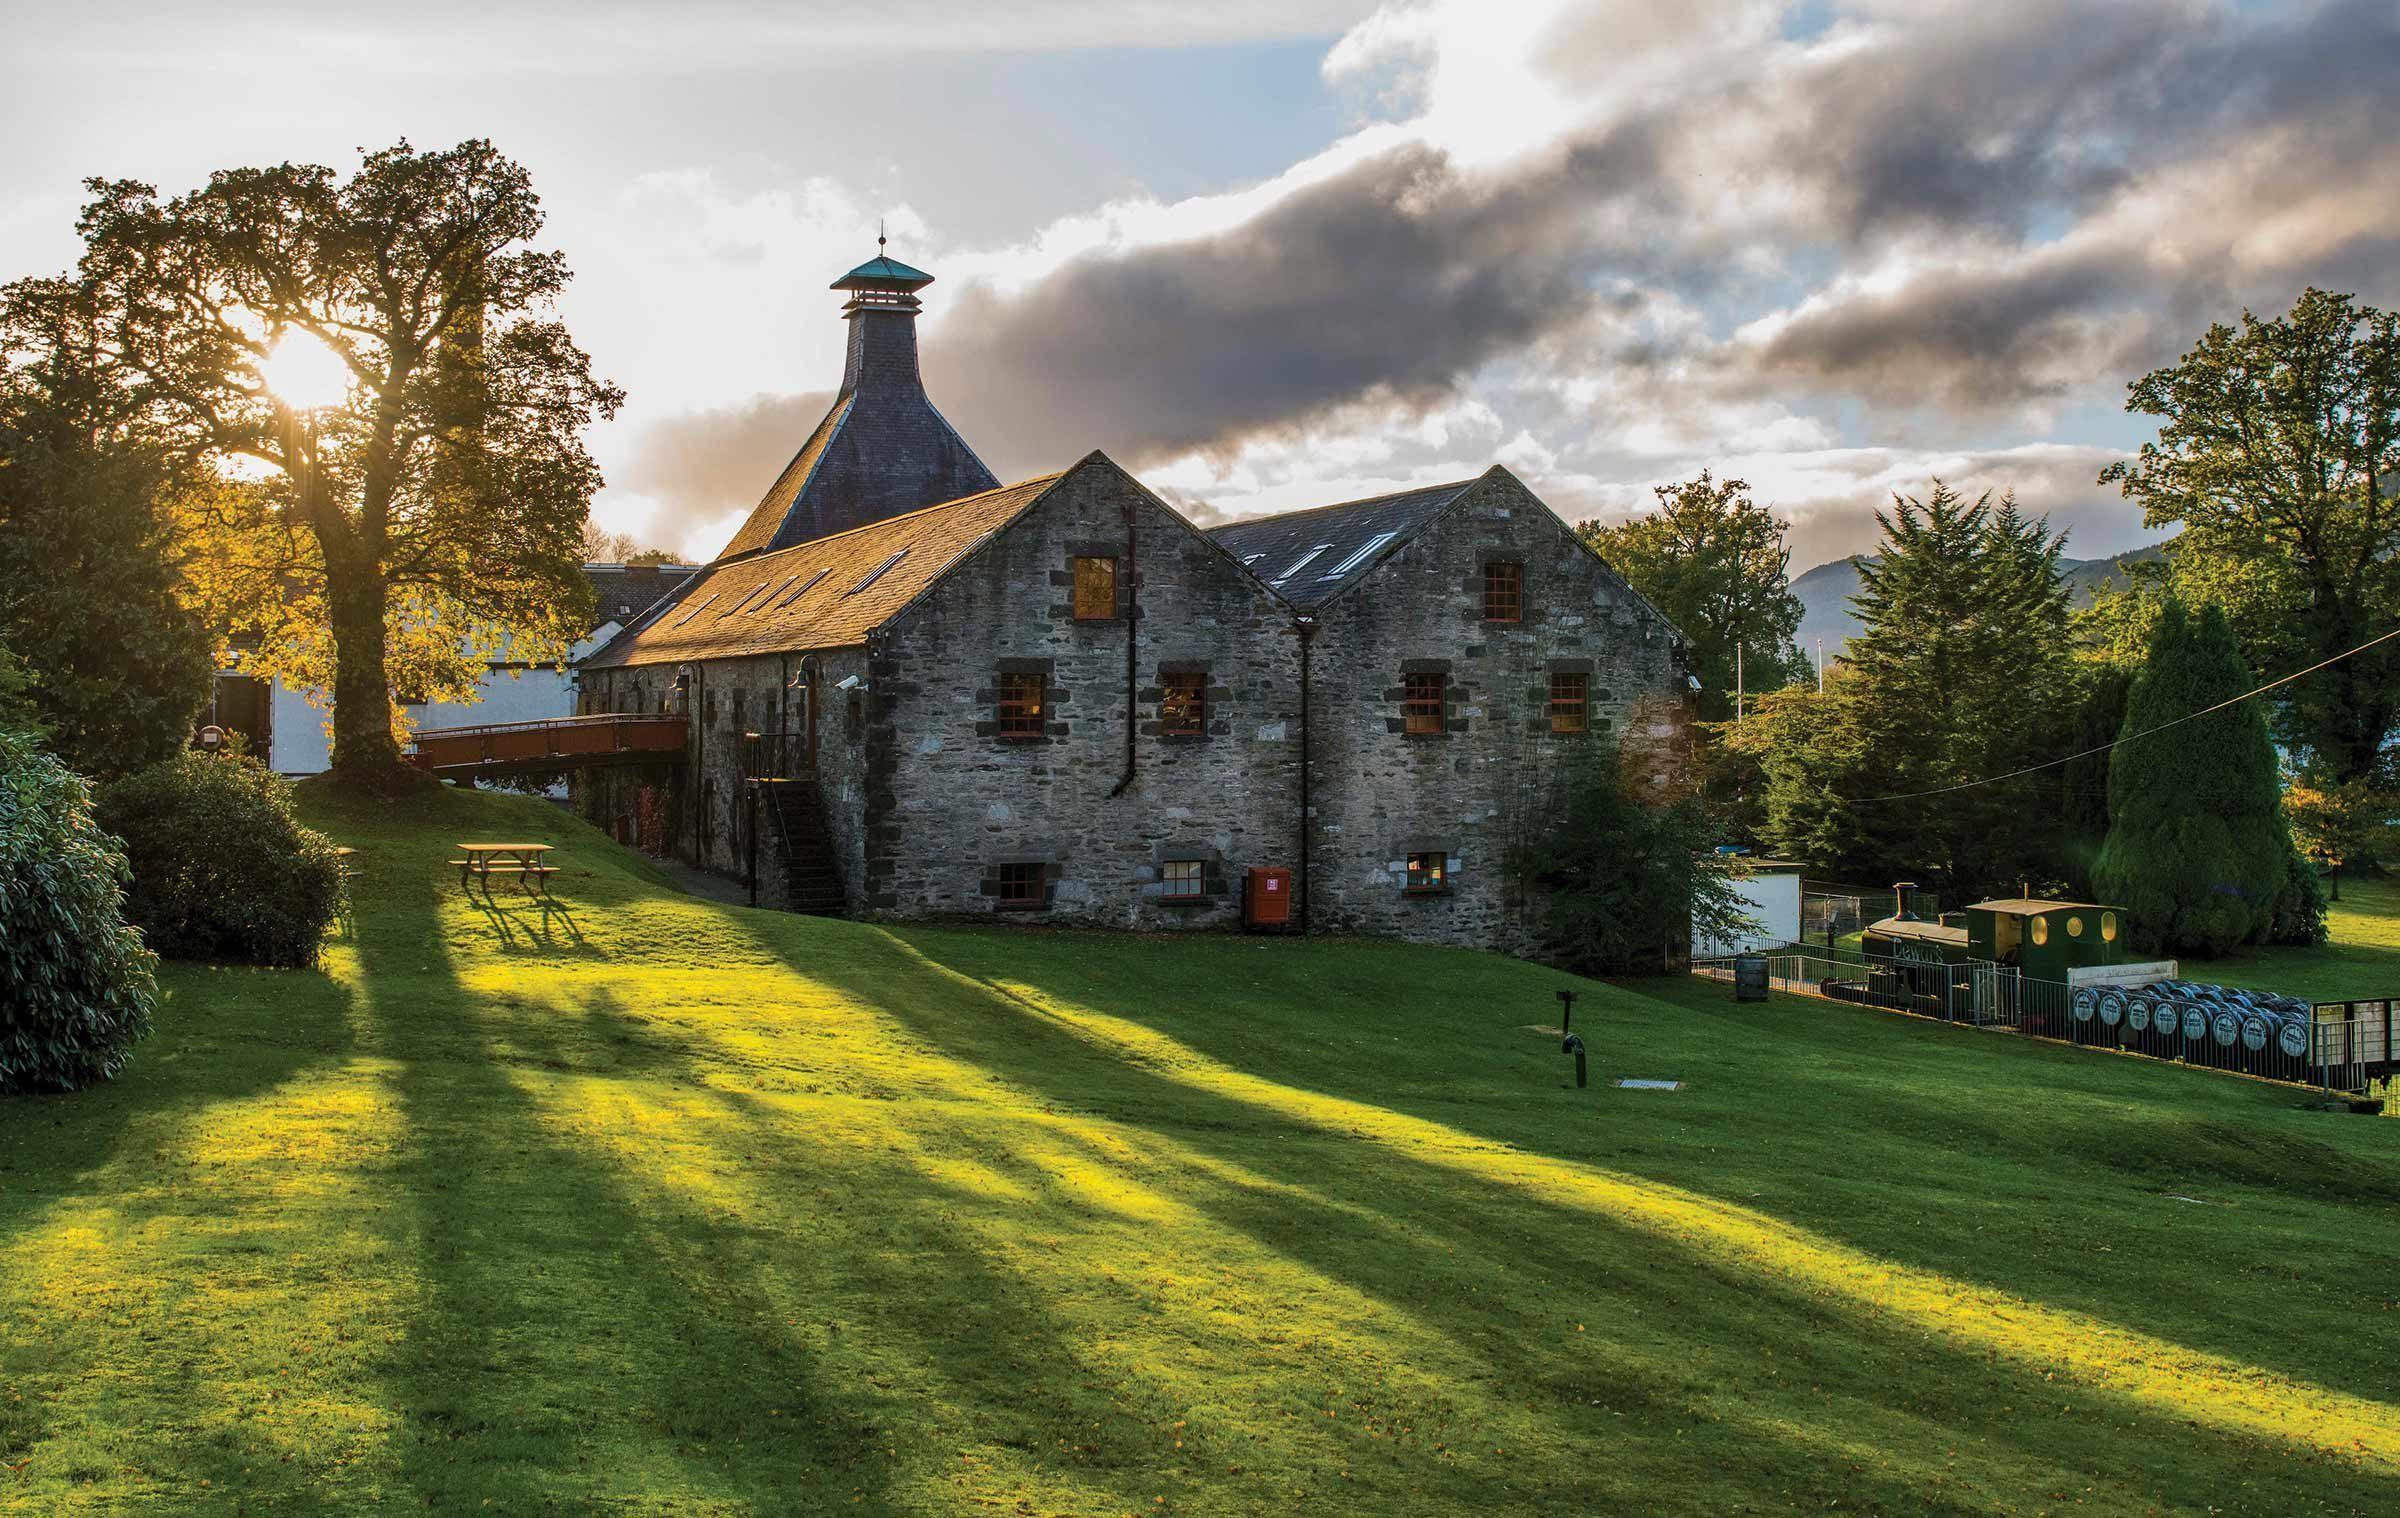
(795, 819)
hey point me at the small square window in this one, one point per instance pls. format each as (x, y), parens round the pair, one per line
(1022, 700)
(1020, 884)
(1183, 705)
(1503, 592)
(1095, 590)
(1570, 703)
(1183, 879)
(1424, 705)
(1428, 873)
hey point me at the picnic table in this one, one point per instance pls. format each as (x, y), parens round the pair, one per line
(482, 861)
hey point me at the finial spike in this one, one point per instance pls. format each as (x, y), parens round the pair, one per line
(879, 237)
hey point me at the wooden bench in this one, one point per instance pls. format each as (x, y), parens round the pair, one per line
(479, 864)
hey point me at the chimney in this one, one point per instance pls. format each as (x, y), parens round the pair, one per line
(882, 450)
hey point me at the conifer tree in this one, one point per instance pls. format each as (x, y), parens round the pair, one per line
(2197, 846)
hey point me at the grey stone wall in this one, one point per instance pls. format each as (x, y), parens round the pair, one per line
(950, 799)
(1480, 786)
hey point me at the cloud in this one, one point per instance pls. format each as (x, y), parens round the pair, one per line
(1834, 253)
(697, 469)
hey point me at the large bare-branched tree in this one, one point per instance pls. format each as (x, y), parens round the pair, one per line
(422, 502)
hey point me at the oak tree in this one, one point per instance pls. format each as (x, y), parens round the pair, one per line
(2276, 451)
(427, 508)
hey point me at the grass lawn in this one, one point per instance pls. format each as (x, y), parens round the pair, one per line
(642, 1203)
(2362, 962)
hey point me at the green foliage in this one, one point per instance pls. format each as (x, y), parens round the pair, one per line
(89, 592)
(222, 868)
(2300, 906)
(2275, 454)
(1717, 564)
(76, 985)
(1626, 885)
(431, 514)
(2196, 848)
(1962, 674)
(2096, 717)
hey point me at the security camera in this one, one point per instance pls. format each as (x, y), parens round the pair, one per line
(850, 682)
(1695, 682)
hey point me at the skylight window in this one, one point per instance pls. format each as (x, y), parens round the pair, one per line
(1358, 558)
(877, 572)
(767, 596)
(803, 590)
(695, 611)
(754, 593)
(1302, 562)
(1250, 559)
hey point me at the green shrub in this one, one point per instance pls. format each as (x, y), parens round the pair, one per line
(222, 869)
(76, 985)
(2300, 907)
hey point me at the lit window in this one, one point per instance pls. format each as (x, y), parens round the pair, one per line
(1183, 705)
(2041, 931)
(1503, 592)
(1095, 590)
(1302, 562)
(1570, 703)
(1020, 885)
(1428, 873)
(2108, 927)
(1182, 878)
(1423, 705)
(1021, 702)
(2075, 927)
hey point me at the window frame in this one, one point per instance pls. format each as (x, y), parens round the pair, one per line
(1020, 885)
(1421, 879)
(1579, 704)
(1416, 707)
(1503, 590)
(1014, 719)
(1075, 603)
(1197, 879)
(1194, 724)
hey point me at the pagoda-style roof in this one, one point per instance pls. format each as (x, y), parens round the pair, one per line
(883, 273)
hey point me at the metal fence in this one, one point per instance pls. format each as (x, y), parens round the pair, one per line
(2336, 1046)
(1829, 912)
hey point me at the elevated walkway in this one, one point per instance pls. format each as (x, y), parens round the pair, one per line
(517, 748)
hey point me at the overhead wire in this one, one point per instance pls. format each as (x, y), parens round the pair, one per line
(2030, 769)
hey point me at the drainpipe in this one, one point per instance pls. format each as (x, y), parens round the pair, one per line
(1306, 627)
(1133, 624)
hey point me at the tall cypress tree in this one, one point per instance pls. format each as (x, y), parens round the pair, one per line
(2196, 840)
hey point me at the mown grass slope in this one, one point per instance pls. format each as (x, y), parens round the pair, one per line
(639, 1203)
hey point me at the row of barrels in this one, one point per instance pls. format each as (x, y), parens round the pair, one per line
(2172, 1016)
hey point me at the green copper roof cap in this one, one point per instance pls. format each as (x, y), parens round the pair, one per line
(881, 273)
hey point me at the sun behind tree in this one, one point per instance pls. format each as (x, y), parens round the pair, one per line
(376, 355)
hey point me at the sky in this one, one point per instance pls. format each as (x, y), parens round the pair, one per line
(1271, 255)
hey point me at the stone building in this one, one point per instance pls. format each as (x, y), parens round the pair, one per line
(913, 692)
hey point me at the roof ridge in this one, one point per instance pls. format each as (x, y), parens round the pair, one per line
(1364, 500)
(883, 522)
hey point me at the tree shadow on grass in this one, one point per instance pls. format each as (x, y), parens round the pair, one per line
(1814, 1380)
(623, 1301)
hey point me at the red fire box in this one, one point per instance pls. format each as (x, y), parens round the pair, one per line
(1267, 897)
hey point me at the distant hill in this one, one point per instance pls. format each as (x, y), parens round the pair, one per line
(1825, 593)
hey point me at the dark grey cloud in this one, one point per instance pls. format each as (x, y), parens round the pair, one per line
(704, 464)
(1392, 280)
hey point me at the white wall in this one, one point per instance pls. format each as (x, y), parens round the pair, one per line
(1773, 899)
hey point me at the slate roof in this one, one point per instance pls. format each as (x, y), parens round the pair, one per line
(881, 448)
(1311, 556)
(827, 593)
(621, 592)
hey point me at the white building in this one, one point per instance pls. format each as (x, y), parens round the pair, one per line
(289, 727)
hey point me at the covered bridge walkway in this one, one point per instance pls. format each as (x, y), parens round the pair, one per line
(560, 743)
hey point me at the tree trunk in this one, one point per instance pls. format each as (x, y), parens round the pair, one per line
(364, 753)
